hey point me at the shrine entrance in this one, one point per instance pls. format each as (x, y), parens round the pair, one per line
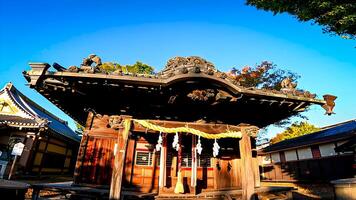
(143, 163)
(225, 174)
(228, 165)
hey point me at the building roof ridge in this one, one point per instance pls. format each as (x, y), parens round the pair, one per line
(27, 100)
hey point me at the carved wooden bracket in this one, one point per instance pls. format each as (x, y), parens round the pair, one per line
(116, 121)
(251, 131)
(202, 95)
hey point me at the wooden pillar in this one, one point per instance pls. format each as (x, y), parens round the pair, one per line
(119, 158)
(256, 172)
(130, 160)
(247, 169)
(163, 163)
(193, 182)
(179, 185)
(82, 149)
(255, 160)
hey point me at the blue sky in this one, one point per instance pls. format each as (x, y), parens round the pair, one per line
(227, 33)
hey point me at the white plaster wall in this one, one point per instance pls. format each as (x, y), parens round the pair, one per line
(305, 153)
(275, 157)
(291, 155)
(327, 149)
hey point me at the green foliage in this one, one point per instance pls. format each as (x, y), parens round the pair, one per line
(79, 128)
(265, 75)
(336, 16)
(109, 67)
(140, 68)
(137, 68)
(295, 130)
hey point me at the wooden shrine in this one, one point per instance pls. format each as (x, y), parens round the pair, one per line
(187, 130)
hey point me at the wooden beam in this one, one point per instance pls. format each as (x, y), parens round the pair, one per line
(119, 160)
(247, 169)
(205, 127)
(37, 73)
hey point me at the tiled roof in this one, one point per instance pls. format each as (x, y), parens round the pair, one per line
(339, 131)
(36, 115)
(17, 121)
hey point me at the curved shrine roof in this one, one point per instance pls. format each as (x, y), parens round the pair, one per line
(187, 89)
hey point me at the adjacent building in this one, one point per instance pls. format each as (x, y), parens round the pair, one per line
(321, 156)
(50, 145)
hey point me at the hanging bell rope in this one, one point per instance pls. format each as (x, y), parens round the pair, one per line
(186, 129)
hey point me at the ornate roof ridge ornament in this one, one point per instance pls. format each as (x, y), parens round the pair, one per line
(290, 87)
(184, 65)
(87, 65)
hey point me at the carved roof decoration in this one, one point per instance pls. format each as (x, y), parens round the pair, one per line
(215, 86)
(179, 66)
(192, 64)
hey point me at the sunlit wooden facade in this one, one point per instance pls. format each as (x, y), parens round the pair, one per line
(127, 115)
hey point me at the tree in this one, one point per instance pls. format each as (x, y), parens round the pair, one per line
(110, 67)
(265, 75)
(137, 68)
(336, 16)
(140, 68)
(295, 130)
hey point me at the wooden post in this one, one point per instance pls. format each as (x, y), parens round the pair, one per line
(256, 172)
(193, 182)
(255, 160)
(119, 160)
(82, 149)
(162, 163)
(247, 169)
(179, 188)
(130, 160)
(12, 167)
